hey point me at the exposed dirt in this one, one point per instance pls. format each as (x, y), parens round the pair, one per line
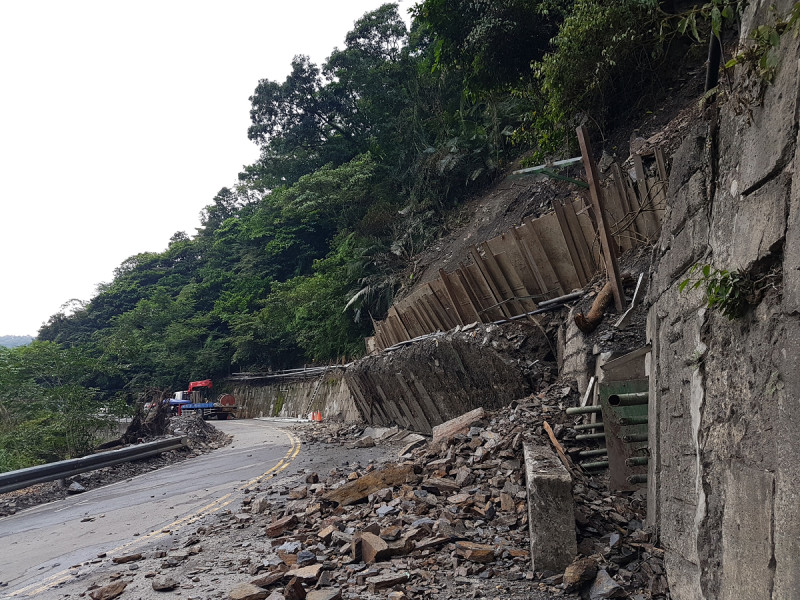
(202, 438)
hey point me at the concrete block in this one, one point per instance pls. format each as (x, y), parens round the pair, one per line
(551, 510)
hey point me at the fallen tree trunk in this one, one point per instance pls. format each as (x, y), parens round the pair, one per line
(588, 323)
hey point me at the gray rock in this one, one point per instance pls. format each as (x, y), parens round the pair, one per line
(306, 557)
(75, 488)
(164, 584)
(605, 587)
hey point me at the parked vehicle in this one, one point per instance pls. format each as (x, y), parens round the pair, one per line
(199, 397)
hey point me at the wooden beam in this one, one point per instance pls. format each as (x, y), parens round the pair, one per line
(529, 260)
(463, 278)
(499, 276)
(625, 200)
(449, 315)
(451, 294)
(489, 283)
(646, 199)
(400, 321)
(596, 191)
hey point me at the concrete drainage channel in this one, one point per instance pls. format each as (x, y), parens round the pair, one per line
(15, 480)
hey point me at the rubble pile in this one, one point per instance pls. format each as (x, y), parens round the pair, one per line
(202, 438)
(447, 520)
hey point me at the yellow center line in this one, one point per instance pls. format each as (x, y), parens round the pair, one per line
(208, 509)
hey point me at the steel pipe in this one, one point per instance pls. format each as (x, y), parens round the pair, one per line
(585, 426)
(633, 421)
(583, 410)
(638, 478)
(588, 453)
(590, 436)
(636, 461)
(600, 464)
(634, 399)
(15, 480)
(634, 437)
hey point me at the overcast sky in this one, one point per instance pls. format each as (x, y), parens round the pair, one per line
(120, 121)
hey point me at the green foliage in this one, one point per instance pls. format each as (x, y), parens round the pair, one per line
(47, 412)
(729, 292)
(761, 53)
(605, 53)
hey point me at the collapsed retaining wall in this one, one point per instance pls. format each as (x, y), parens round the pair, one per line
(265, 397)
(431, 381)
(725, 394)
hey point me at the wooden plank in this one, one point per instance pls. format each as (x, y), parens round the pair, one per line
(645, 198)
(596, 191)
(409, 318)
(572, 247)
(529, 237)
(620, 215)
(403, 328)
(658, 189)
(442, 300)
(526, 303)
(438, 310)
(530, 262)
(559, 448)
(450, 289)
(427, 325)
(515, 267)
(641, 219)
(474, 304)
(427, 305)
(661, 164)
(582, 212)
(451, 428)
(487, 281)
(636, 231)
(396, 330)
(483, 294)
(584, 250)
(500, 280)
(555, 247)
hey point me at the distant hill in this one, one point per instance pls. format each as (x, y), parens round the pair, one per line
(12, 341)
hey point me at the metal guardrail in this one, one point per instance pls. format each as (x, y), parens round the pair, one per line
(15, 480)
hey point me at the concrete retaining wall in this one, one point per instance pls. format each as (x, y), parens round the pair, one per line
(268, 398)
(724, 406)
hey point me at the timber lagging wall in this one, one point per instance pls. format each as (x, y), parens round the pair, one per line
(541, 258)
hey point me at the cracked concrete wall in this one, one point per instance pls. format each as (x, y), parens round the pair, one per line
(725, 394)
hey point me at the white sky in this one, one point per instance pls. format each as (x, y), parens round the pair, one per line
(120, 121)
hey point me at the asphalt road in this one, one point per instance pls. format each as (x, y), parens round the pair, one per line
(40, 548)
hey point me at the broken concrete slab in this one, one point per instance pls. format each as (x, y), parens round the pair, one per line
(551, 511)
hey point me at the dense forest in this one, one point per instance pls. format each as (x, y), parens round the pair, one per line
(362, 160)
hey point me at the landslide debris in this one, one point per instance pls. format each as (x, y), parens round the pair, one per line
(445, 520)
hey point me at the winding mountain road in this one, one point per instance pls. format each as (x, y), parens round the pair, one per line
(52, 544)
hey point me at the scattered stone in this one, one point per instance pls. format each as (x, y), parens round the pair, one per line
(373, 548)
(333, 594)
(605, 587)
(126, 559)
(164, 584)
(480, 553)
(75, 488)
(453, 427)
(277, 528)
(381, 582)
(580, 572)
(108, 592)
(305, 574)
(294, 590)
(247, 591)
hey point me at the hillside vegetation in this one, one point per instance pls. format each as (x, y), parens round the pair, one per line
(362, 159)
